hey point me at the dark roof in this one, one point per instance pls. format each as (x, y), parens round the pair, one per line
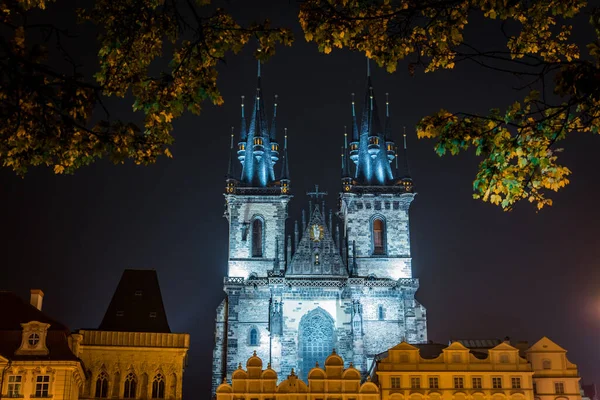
(478, 343)
(433, 350)
(13, 313)
(137, 305)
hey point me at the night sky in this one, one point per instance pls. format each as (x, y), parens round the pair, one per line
(483, 273)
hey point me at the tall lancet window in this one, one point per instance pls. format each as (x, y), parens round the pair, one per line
(102, 385)
(129, 390)
(257, 238)
(158, 387)
(378, 236)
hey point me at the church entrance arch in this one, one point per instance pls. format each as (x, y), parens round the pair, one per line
(316, 336)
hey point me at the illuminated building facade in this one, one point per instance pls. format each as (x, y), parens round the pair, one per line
(133, 353)
(37, 357)
(345, 283)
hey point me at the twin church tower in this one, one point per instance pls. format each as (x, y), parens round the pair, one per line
(345, 284)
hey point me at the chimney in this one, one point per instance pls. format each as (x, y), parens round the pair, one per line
(37, 296)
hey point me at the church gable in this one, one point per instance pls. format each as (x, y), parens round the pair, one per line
(317, 253)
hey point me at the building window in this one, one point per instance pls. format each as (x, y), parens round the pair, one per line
(33, 339)
(138, 292)
(404, 357)
(378, 236)
(496, 382)
(504, 358)
(395, 382)
(120, 313)
(559, 387)
(130, 386)
(102, 385)
(516, 382)
(434, 382)
(380, 313)
(152, 314)
(42, 384)
(253, 337)
(534, 388)
(158, 387)
(477, 383)
(317, 261)
(547, 364)
(456, 358)
(415, 382)
(14, 385)
(257, 238)
(459, 382)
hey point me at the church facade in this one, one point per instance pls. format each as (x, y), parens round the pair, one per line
(342, 283)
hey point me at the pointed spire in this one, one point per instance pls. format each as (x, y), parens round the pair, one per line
(406, 171)
(231, 168)
(354, 123)
(243, 127)
(388, 125)
(273, 134)
(285, 172)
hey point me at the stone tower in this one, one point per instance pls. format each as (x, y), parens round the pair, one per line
(343, 283)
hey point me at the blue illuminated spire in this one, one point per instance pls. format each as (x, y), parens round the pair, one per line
(374, 148)
(231, 167)
(260, 155)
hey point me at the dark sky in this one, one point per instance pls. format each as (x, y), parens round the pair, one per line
(483, 273)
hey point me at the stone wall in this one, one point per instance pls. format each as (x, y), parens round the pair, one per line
(358, 213)
(241, 212)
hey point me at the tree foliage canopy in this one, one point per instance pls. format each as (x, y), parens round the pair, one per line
(47, 113)
(517, 142)
(57, 118)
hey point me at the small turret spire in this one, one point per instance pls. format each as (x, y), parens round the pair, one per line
(406, 171)
(285, 172)
(231, 168)
(273, 134)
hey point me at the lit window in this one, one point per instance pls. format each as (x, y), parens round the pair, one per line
(158, 387)
(547, 364)
(42, 383)
(516, 382)
(559, 388)
(14, 385)
(102, 385)
(152, 315)
(476, 383)
(120, 313)
(317, 261)
(253, 337)
(395, 382)
(434, 382)
(33, 339)
(138, 292)
(415, 382)
(496, 382)
(380, 314)
(459, 382)
(378, 237)
(257, 238)
(130, 386)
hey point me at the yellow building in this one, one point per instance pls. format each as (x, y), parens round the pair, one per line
(455, 372)
(331, 382)
(555, 377)
(133, 354)
(36, 360)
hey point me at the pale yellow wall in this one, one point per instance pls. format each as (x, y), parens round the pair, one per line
(561, 370)
(66, 377)
(144, 354)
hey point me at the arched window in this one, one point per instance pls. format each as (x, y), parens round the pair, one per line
(253, 337)
(102, 385)
(380, 313)
(378, 236)
(158, 387)
(130, 386)
(257, 238)
(547, 364)
(316, 339)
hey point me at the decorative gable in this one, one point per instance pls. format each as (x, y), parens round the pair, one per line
(33, 339)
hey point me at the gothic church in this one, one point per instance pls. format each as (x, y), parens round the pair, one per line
(293, 298)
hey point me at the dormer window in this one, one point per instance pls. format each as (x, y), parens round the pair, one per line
(33, 339)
